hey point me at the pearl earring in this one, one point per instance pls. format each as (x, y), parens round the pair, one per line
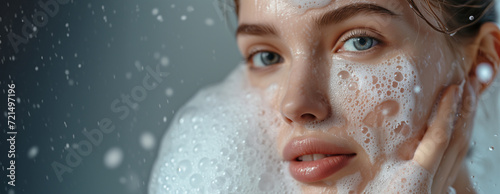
(484, 72)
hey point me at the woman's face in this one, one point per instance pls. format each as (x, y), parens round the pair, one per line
(353, 82)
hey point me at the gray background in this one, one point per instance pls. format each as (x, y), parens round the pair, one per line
(85, 57)
(109, 40)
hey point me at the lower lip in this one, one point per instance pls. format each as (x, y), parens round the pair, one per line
(317, 170)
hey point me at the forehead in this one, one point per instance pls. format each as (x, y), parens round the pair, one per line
(265, 10)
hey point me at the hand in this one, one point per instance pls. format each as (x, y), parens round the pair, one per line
(445, 143)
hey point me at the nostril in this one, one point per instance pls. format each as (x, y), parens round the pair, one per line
(308, 117)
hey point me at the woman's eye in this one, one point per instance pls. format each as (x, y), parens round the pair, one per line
(359, 44)
(265, 58)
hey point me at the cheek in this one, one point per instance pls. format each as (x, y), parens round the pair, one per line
(377, 103)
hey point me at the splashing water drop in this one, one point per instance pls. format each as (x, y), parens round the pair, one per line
(113, 158)
(164, 61)
(154, 11)
(209, 22)
(159, 18)
(169, 92)
(484, 72)
(147, 141)
(32, 152)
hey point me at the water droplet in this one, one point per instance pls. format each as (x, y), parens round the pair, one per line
(209, 22)
(169, 92)
(32, 152)
(155, 11)
(492, 148)
(159, 18)
(183, 17)
(113, 157)
(484, 72)
(164, 61)
(147, 141)
(471, 17)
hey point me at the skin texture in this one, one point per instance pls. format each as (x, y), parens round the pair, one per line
(299, 88)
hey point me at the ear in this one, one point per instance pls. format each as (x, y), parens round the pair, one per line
(485, 51)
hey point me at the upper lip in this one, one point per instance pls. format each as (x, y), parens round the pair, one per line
(302, 146)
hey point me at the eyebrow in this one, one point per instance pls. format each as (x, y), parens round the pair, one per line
(341, 14)
(256, 29)
(332, 17)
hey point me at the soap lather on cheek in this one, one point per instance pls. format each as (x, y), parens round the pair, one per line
(376, 102)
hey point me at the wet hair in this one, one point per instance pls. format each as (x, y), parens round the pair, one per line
(462, 17)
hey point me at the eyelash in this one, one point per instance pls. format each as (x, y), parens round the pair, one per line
(253, 52)
(360, 33)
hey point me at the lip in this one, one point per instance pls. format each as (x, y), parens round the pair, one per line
(312, 171)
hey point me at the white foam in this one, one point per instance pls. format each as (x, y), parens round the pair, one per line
(222, 142)
(396, 176)
(362, 93)
(304, 5)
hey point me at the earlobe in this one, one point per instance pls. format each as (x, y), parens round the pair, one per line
(487, 56)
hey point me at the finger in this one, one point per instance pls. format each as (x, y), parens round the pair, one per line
(435, 141)
(458, 146)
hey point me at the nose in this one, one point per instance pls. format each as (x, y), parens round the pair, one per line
(306, 99)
